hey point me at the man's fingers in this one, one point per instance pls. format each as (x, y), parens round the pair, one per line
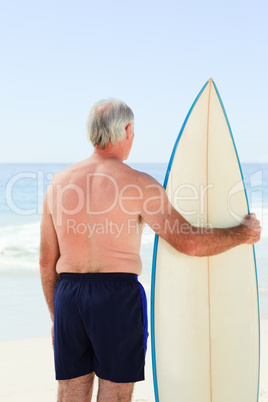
(52, 334)
(252, 223)
(256, 223)
(254, 226)
(250, 219)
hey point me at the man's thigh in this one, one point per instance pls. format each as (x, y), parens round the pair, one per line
(114, 392)
(76, 389)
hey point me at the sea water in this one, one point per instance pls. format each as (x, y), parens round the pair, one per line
(23, 311)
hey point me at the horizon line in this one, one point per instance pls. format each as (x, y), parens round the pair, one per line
(131, 162)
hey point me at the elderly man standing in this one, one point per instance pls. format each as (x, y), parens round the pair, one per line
(93, 215)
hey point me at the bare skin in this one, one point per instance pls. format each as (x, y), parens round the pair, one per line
(93, 214)
(77, 389)
(81, 388)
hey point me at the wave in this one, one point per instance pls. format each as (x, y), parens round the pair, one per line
(19, 246)
(148, 235)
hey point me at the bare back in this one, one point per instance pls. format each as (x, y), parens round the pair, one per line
(95, 206)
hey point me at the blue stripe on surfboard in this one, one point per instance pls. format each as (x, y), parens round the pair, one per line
(254, 254)
(152, 319)
(155, 249)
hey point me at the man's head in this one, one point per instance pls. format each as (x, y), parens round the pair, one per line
(107, 122)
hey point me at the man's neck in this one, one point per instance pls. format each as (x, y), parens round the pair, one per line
(115, 151)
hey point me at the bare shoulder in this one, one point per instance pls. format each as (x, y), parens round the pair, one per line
(66, 173)
(150, 186)
(143, 179)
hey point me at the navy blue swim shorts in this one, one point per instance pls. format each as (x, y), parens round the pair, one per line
(100, 325)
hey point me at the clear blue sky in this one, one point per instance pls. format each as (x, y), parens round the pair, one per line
(59, 57)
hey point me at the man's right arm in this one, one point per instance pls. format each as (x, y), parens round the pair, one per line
(214, 241)
(160, 215)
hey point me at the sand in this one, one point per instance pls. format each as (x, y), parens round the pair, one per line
(27, 371)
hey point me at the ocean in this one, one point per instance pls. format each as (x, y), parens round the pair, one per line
(23, 311)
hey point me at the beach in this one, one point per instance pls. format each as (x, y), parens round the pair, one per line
(27, 371)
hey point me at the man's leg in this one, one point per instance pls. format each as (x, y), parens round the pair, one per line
(77, 389)
(114, 392)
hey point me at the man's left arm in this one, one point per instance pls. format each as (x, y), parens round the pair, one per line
(49, 255)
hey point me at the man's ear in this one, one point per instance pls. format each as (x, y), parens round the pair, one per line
(129, 130)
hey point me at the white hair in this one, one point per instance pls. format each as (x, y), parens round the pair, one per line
(107, 121)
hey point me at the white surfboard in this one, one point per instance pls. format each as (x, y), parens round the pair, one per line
(204, 310)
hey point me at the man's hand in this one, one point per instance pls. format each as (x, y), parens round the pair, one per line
(253, 228)
(52, 334)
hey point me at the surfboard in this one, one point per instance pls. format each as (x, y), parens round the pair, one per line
(205, 310)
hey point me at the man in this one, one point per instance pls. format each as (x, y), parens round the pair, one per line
(93, 214)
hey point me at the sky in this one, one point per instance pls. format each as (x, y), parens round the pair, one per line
(60, 57)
